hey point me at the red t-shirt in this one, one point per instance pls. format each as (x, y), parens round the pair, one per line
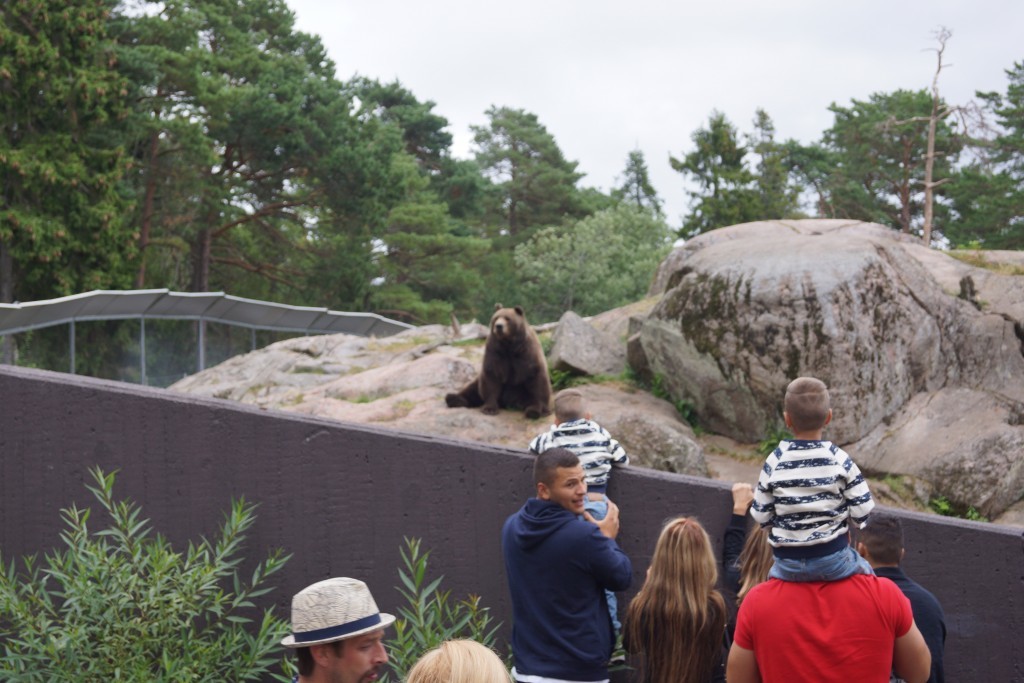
(824, 632)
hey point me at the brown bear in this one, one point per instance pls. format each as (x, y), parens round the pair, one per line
(514, 373)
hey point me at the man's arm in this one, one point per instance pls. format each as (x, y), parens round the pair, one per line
(742, 667)
(911, 659)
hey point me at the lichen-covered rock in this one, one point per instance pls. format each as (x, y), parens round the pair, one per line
(885, 322)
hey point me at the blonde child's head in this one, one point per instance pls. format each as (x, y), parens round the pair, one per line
(459, 661)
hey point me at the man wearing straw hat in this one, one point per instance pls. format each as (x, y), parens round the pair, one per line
(337, 633)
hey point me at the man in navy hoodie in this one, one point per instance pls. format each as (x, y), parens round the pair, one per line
(559, 564)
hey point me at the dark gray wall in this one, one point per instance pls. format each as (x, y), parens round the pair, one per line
(341, 497)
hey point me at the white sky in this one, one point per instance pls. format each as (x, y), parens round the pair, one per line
(607, 77)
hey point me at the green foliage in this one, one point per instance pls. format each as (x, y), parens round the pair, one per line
(636, 187)
(944, 507)
(878, 149)
(724, 195)
(426, 268)
(535, 183)
(772, 437)
(121, 604)
(593, 265)
(988, 195)
(62, 211)
(430, 616)
(657, 387)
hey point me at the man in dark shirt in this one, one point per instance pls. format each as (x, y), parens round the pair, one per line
(880, 542)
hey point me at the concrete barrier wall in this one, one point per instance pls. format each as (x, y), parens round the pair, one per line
(342, 497)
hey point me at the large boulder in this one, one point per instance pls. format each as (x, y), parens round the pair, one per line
(881, 319)
(579, 348)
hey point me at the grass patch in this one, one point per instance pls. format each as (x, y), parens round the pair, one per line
(978, 260)
(469, 342)
(293, 400)
(308, 370)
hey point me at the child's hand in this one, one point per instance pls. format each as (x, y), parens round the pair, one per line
(742, 497)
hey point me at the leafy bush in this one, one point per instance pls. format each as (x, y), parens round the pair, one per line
(120, 604)
(946, 508)
(770, 442)
(430, 616)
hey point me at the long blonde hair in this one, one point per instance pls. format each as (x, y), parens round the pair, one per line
(459, 661)
(677, 620)
(755, 561)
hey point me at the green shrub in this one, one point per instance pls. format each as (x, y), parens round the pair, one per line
(430, 616)
(119, 604)
(944, 507)
(775, 434)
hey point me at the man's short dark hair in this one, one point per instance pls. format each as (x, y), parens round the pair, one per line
(883, 538)
(549, 461)
(807, 404)
(304, 657)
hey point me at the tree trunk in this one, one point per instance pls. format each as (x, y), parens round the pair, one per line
(201, 261)
(7, 345)
(942, 35)
(147, 210)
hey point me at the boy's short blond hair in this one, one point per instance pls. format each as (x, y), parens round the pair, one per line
(570, 405)
(807, 404)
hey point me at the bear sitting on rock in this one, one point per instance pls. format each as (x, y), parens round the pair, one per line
(514, 373)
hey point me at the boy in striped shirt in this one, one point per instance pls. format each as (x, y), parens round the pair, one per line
(807, 490)
(598, 453)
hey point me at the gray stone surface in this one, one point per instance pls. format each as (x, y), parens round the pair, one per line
(581, 349)
(892, 327)
(399, 383)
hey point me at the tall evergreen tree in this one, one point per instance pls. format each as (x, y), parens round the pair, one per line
(250, 159)
(62, 227)
(879, 148)
(988, 196)
(724, 194)
(777, 194)
(535, 184)
(636, 187)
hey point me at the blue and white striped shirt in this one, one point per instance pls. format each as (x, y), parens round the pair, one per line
(597, 450)
(806, 492)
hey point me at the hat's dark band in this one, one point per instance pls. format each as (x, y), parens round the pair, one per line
(336, 631)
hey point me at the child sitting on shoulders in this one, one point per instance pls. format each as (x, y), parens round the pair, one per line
(807, 490)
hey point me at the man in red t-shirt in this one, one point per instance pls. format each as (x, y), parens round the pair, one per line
(856, 629)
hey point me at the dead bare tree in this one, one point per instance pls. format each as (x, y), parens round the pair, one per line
(940, 112)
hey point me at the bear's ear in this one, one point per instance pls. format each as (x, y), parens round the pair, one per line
(519, 310)
(498, 307)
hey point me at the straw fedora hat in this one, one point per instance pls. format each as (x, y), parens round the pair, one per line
(334, 609)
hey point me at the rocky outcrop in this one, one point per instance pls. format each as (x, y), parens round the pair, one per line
(906, 338)
(399, 382)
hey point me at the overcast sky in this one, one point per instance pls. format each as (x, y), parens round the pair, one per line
(607, 77)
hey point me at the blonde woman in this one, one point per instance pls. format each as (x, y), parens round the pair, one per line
(676, 623)
(459, 661)
(755, 561)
